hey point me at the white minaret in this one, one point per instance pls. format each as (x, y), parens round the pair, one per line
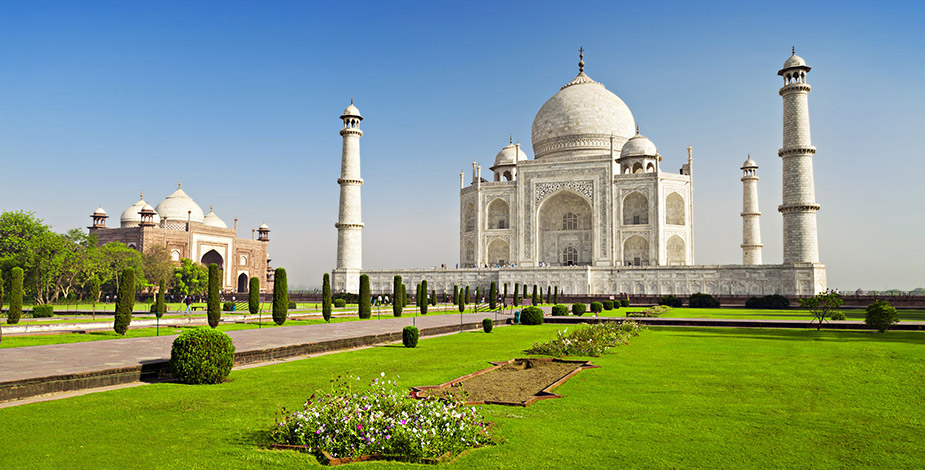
(751, 229)
(801, 243)
(349, 224)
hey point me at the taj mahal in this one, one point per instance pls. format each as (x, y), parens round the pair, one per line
(597, 210)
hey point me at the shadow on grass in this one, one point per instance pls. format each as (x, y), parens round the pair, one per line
(913, 337)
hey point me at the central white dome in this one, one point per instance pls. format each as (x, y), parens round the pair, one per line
(581, 116)
(178, 206)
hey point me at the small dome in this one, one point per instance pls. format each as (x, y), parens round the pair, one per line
(510, 155)
(213, 220)
(99, 211)
(794, 61)
(749, 164)
(263, 226)
(131, 217)
(351, 111)
(638, 146)
(178, 206)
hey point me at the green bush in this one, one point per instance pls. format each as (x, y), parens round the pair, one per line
(202, 356)
(700, 300)
(548, 294)
(597, 307)
(880, 316)
(125, 302)
(531, 316)
(396, 296)
(608, 305)
(492, 297)
(433, 297)
(227, 306)
(773, 301)
(365, 309)
(15, 312)
(280, 296)
(837, 316)
(253, 296)
(212, 301)
(409, 336)
(670, 301)
(592, 340)
(487, 325)
(43, 311)
(624, 302)
(535, 297)
(340, 303)
(153, 308)
(516, 294)
(293, 305)
(559, 310)
(160, 306)
(579, 309)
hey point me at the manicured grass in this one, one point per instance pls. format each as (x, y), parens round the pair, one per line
(674, 398)
(756, 314)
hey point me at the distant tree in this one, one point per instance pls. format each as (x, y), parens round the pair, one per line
(504, 296)
(213, 302)
(555, 295)
(455, 293)
(821, 306)
(253, 295)
(280, 297)
(125, 302)
(462, 303)
(880, 315)
(417, 296)
(396, 296)
(326, 297)
(93, 289)
(15, 312)
(466, 298)
(424, 297)
(159, 304)
(548, 294)
(516, 294)
(535, 297)
(433, 297)
(364, 310)
(493, 296)
(404, 295)
(157, 263)
(190, 278)
(1, 300)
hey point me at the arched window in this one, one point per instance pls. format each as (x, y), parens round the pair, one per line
(175, 255)
(637, 168)
(507, 176)
(243, 260)
(636, 251)
(470, 217)
(650, 168)
(676, 251)
(470, 254)
(675, 206)
(570, 256)
(635, 209)
(498, 215)
(570, 221)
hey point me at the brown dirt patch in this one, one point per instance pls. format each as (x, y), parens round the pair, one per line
(514, 382)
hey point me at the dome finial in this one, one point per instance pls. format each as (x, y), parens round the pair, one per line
(581, 59)
(793, 50)
(211, 207)
(637, 129)
(351, 100)
(511, 141)
(179, 184)
(141, 195)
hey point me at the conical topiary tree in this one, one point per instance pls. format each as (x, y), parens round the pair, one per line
(535, 298)
(548, 294)
(280, 297)
(466, 297)
(424, 297)
(253, 295)
(404, 295)
(213, 302)
(433, 297)
(396, 296)
(326, 297)
(504, 296)
(493, 296)
(462, 304)
(125, 302)
(455, 293)
(555, 295)
(516, 294)
(15, 312)
(364, 310)
(160, 306)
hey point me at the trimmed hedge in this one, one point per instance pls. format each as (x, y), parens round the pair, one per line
(125, 302)
(531, 316)
(227, 306)
(624, 302)
(700, 300)
(340, 303)
(773, 301)
(43, 311)
(579, 309)
(487, 325)
(555, 295)
(212, 301)
(365, 309)
(597, 307)
(202, 356)
(15, 311)
(560, 310)
(670, 301)
(409, 336)
(608, 305)
(280, 297)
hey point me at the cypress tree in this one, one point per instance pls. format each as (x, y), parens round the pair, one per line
(424, 297)
(365, 310)
(555, 296)
(213, 303)
(396, 296)
(466, 298)
(160, 304)
(493, 296)
(1, 290)
(253, 295)
(125, 302)
(548, 294)
(417, 296)
(404, 295)
(536, 297)
(455, 293)
(516, 294)
(525, 292)
(433, 297)
(462, 304)
(326, 297)
(478, 297)
(280, 297)
(15, 311)
(504, 297)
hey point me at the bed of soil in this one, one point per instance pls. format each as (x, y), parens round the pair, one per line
(516, 382)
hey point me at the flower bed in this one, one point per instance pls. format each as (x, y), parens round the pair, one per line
(380, 421)
(592, 340)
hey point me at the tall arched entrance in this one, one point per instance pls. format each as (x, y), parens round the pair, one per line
(212, 256)
(565, 237)
(242, 282)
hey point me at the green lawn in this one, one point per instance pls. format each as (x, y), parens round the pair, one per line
(755, 314)
(675, 397)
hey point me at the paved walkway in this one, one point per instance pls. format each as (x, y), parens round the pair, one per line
(35, 362)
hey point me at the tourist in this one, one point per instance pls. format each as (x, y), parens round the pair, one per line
(189, 303)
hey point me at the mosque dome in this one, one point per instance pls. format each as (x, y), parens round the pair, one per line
(352, 111)
(581, 116)
(178, 206)
(510, 155)
(213, 220)
(131, 217)
(638, 146)
(749, 163)
(794, 61)
(263, 226)
(99, 211)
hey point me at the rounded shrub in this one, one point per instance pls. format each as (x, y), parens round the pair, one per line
(559, 310)
(597, 307)
(531, 316)
(880, 316)
(280, 297)
(364, 309)
(227, 306)
(43, 311)
(340, 303)
(700, 300)
(670, 301)
(487, 325)
(624, 302)
(608, 305)
(837, 316)
(409, 336)
(293, 305)
(579, 309)
(202, 356)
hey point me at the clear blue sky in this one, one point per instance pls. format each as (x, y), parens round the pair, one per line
(240, 100)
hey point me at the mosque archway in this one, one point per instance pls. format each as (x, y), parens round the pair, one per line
(469, 216)
(498, 215)
(564, 220)
(677, 255)
(636, 251)
(675, 209)
(242, 283)
(635, 209)
(498, 253)
(212, 256)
